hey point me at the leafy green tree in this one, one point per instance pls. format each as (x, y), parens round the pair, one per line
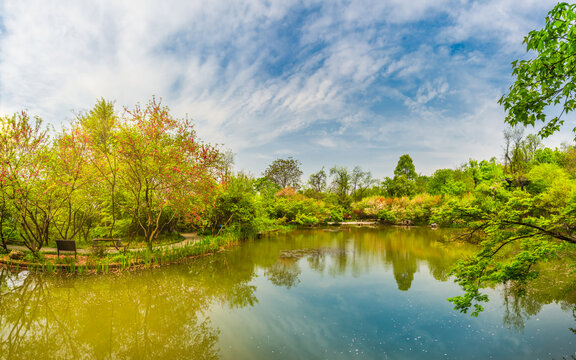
(517, 230)
(236, 209)
(71, 176)
(522, 229)
(341, 184)
(317, 181)
(569, 161)
(284, 172)
(542, 176)
(405, 166)
(265, 187)
(549, 78)
(100, 128)
(444, 182)
(26, 185)
(404, 181)
(549, 156)
(399, 186)
(360, 182)
(484, 172)
(166, 173)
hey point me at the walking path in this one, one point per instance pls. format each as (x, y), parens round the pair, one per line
(189, 239)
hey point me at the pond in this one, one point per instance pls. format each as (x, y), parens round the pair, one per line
(366, 293)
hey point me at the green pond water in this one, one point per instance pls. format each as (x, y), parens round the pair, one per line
(365, 293)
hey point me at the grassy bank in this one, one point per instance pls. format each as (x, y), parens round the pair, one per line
(127, 260)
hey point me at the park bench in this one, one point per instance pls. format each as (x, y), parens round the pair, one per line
(117, 243)
(66, 245)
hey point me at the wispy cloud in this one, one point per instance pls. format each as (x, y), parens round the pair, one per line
(351, 82)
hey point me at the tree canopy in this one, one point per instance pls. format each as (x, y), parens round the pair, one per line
(284, 172)
(522, 227)
(547, 80)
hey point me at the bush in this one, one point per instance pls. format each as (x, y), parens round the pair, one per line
(293, 208)
(417, 210)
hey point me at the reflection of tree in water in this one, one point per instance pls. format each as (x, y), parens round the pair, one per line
(241, 295)
(317, 262)
(404, 267)
(518, 307)
(400, 252)
(149, 314)
(285, 272)
(105, 319)
(357, 249)
(522, 301)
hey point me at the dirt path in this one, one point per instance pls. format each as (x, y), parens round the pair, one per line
(189, 239)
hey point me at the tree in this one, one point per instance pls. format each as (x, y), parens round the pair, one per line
(26, 186)
(341, 184)
(317, 181)
(68, 171)
(443, 182)
(404, 181)
(166, 174)
(517, 231)
(521, 229)
(100, 126)
(405, 166)
(284, 172)
(548, 80)
(235, 208)
(360, 181)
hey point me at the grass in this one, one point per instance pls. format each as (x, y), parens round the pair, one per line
(120, 261)
(138, 257)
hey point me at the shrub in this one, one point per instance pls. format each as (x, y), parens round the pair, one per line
(395, 210)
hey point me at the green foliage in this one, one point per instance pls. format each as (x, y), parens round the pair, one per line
(284, 172)
(484, 171)
(416, 210)
(542, 176)
(404, 181)
(518, 230)
(317, 181)
(341, 184)
(293, 208)
(145, 172)
(27, 190)
(549, 156)
(305, 219)
(548, 79)
(569, 161)
(405, 167)
(236, 208)
(444, 182)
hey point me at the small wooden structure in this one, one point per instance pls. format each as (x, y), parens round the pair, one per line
(117, 243)
(66, 245)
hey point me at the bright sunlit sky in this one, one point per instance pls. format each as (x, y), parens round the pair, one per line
(327, 82)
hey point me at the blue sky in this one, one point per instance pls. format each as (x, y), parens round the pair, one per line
(338, 82)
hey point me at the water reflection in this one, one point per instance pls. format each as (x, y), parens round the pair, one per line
(152, 314)
(359, 250)
(553, 286)
(170, 312)
(406, 250)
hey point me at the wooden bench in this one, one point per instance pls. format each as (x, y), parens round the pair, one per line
(117, 243)
(66, 245)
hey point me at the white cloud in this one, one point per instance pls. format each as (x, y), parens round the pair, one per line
(507, 21)
(254, 74)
